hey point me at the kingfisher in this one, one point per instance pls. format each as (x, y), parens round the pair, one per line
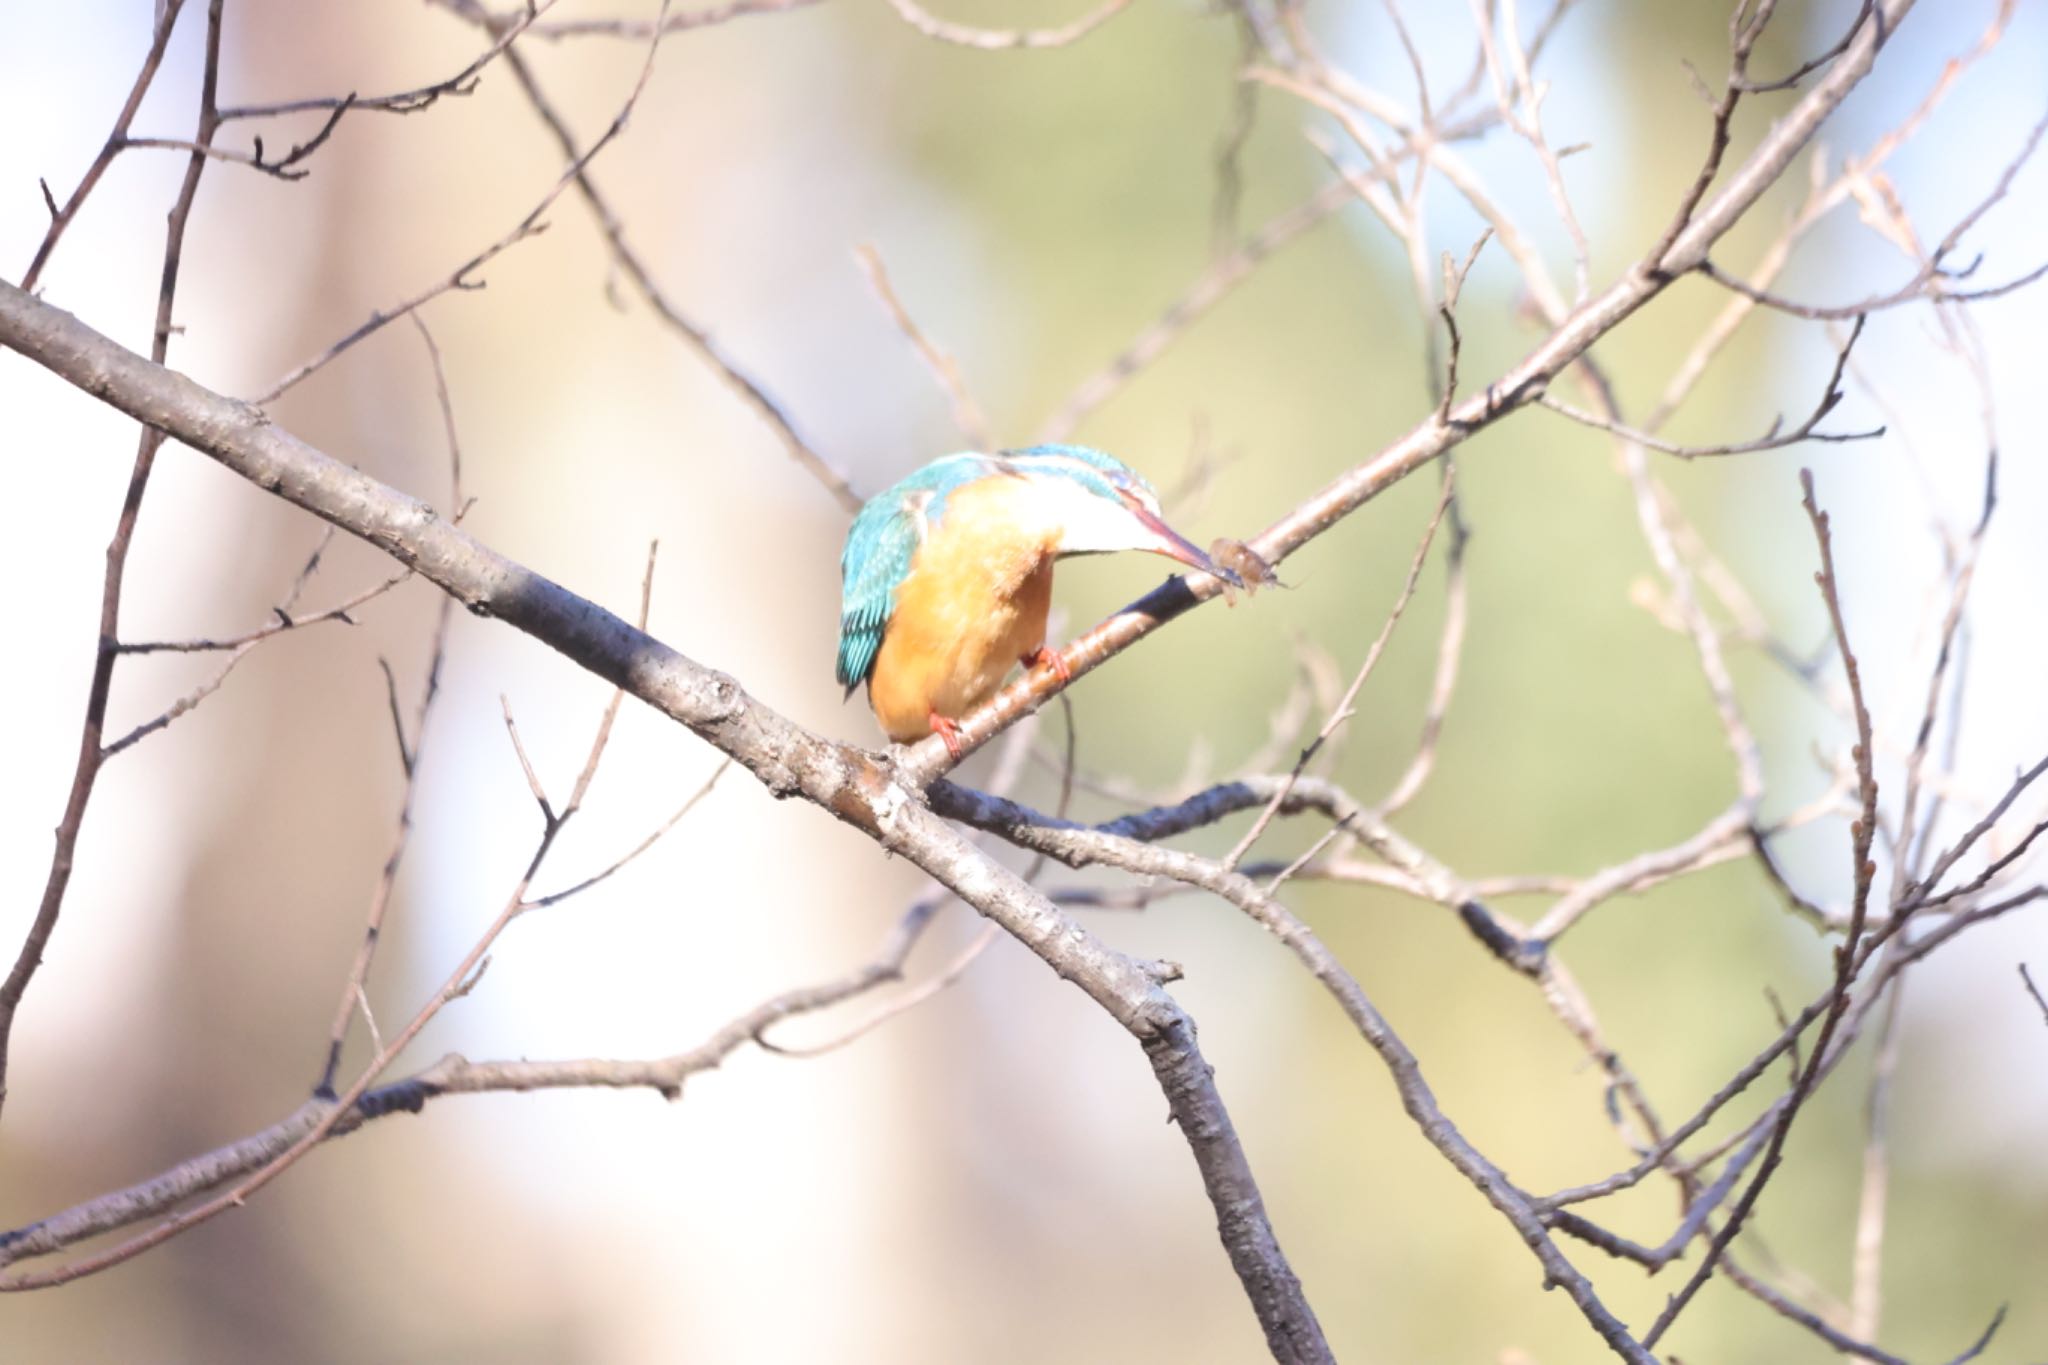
(946, 578)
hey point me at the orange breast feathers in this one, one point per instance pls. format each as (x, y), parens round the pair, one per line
(973, 604)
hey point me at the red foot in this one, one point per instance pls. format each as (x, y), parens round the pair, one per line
(947, 729)
(1052, 659)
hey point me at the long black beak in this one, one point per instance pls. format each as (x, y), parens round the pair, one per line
(1174, 545)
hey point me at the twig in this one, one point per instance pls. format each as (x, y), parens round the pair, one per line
(967, 414)
(1516, 387)
(1244, 113)
(91, 754)
(997, 40)
(788, 760)
(1774, 439)
(1866, 1294)
(1078, 847)
(1806, 68)
(452, 1075)
(1825, 194)
(1224, 274)
(1343, 711)
(743, 385)
(61, 218)
(618, 864)
(1745, 28)
(457, 984)
(282, 622)
(1862, 832)
(1932, 273)
(355, 987)
(629, 30)
(901, 1004)
(461, 84)
(1524, 115)
(283, 168)
(1962, 574)
(2035, 991)
(1811, 1321)
(461, 277)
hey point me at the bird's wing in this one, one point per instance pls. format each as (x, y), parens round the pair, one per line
(884, 538)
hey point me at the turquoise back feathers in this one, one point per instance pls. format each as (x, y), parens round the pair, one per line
(885, 535)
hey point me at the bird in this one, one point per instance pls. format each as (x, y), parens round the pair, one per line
(946, 578)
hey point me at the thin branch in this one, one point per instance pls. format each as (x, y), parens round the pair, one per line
(283, 622)
(1807, 68)
(1918, 893)
(1806, 1318)
(282, 168)
(1343, 710)
(2035, 991)
(629, 30)
(901, 1004)
(462, 276)
(533, 782)
(1224, 274)
(456, 985)
(1524, 115)
(461, 84)
(1866, 1293)
(1931, 280)
(743, 385)
(355, 987)
(1774, 439)
(452, 1075)
(1514, 388)
(1080, 846)
(1823, 196)
(999, 40)
(1862, 832)
(967, 414)
(1743, 37)
(618, 864)
(61, 218)
(788, 760)
(91, 753)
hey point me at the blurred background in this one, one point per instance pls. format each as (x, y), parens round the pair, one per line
(988, 1177)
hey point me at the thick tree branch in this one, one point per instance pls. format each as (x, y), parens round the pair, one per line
(854, 786)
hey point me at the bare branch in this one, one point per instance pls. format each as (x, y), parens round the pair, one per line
(354, 991)
(629, 30)
(1862, 832)
(967, 414)
(997, 40)
(1079, 847)
(1931, 281)
(1866, 1294)
(1774, 439)
(462, 83)
(91, 754)
(788, 760)
(61, 218)
(695, 336)
(462, 276)
(1513, 389)
(2035, 991)
(1343, 711)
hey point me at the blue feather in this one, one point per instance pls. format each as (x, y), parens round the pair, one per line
(890, 527)
(879, 551)
(1115, 473)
